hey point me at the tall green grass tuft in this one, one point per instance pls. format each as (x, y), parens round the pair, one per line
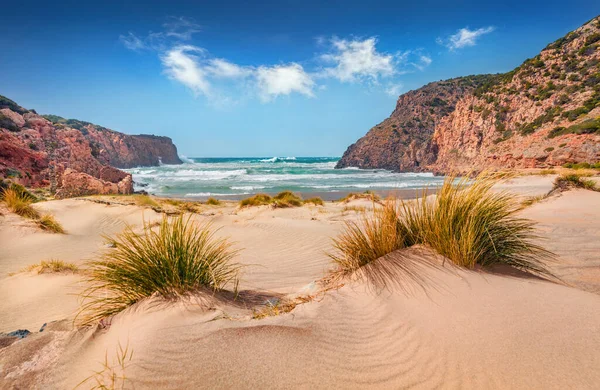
(176, 258)
(467, 222)
(471, 224)
(19, 204)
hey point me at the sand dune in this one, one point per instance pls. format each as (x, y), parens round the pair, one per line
(409, 321)
(463, 329)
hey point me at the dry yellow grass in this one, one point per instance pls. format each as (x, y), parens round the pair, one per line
(49, 223)
(213, 202)
(361, 195)
(466, 222)
(19, 204)
(177, 258)
(52, 266)
(112, 375)
(316, 201)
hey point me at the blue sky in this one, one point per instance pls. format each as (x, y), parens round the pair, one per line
(284, 78)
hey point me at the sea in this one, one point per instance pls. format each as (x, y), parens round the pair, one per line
(235, 177)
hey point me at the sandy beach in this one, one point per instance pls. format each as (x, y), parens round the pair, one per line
(423, 323)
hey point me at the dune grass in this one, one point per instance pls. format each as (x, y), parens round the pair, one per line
(213, 202)
(316, 201)
(52, 266)
(374, 236)
(546, 172)
(256, 200)
(112, 375)
(566, 181)
(361, 195)
(176, 258)
(144, 200)
(283, 199)
(466, 222)
(19, 204)
(49, 223)
(286, 199)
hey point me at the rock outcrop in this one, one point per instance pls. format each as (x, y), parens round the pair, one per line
(402, 142)
(73, 157)
(544, 113)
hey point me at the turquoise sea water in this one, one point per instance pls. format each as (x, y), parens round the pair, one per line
(221, 177)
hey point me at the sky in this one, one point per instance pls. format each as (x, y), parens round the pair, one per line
(269, 78)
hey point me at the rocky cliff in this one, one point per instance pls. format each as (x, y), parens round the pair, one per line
(402, 142)
(48, 150)
(544, 113)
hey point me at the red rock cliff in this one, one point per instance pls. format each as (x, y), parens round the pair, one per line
(544, 113)
(39, 151)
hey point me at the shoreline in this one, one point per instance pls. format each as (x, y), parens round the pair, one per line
(328, 196)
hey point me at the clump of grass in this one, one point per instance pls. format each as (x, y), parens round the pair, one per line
(19, 204)
(546, 172)
(316, 201)
(374, 236)
(213, 202)
(177, 258)
(145, 200)
(256, 200)
(52, 266)
(356, 209)
(21, 191)
(466, 222)
(364, 195)
(49, 223)
(287, 199)
(572, 180)
(189, 207)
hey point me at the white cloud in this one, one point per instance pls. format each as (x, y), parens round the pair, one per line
(464, 37)
(355, 60)
(181, 28)
(182, 65)
(394, 89)
(219, 67)
(132, 42)
(347, 60)
(283, 80)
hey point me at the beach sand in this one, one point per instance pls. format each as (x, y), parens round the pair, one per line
(428, 325)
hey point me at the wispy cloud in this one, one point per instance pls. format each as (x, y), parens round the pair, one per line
(204, 74)
(464, 37)
(132, 42)
(283, 80)
(181, 27)
(394, 89)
